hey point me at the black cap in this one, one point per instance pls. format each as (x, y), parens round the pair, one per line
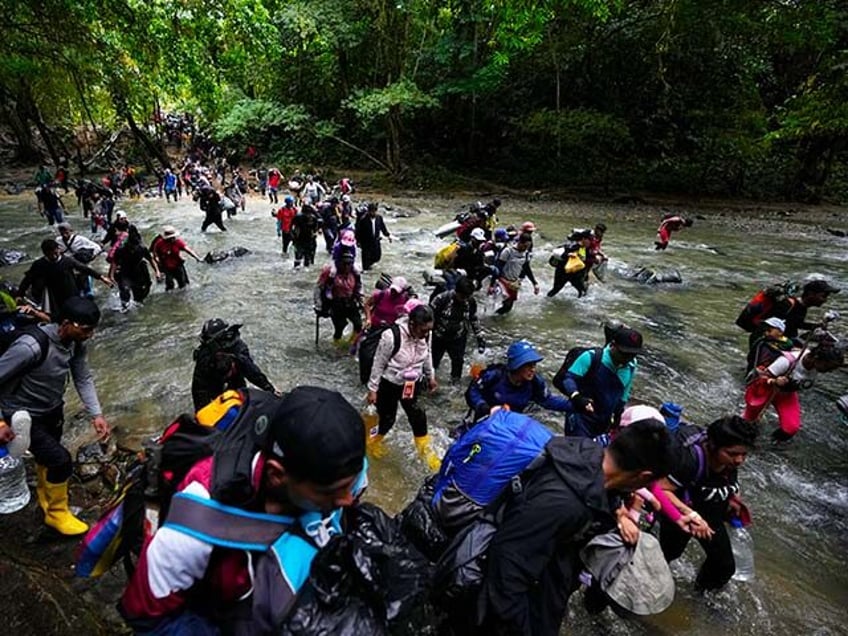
(819, 287)
(82, 311)
(627, 340)
(318, 435)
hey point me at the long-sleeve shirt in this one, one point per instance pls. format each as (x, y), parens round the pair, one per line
(452, 317)
(41, 389)
(494, 388)
(514, 264)
(412, 360)
(53, 282)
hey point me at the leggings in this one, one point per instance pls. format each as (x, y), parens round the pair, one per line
(455, 349)
(788, 408)
(388, 398)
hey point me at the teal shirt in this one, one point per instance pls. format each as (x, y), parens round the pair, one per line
(625, 373)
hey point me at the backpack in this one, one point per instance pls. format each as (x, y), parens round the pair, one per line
(692, 437)
(760, 306)
(9, 333)
(572, 355)
(368, 348)
(444, 257)
(485, 464)
(233, 428)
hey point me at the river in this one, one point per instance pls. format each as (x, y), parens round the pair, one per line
(142, 361)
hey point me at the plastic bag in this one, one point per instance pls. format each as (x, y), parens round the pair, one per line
(361, 582)
(421, 526)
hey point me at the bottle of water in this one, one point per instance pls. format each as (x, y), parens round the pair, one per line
(371, 421)
(14, 492)
(743, 550)
(21, 424)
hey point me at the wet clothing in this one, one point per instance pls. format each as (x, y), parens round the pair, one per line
(386, 306)
(220, 368)
(533, 561)
(406, 370)
(210, 203)
(668, 225)
(343, 294)
(52, 206)
(81, 248)
(451, 321)
(132, 274)
(608, 387)
(708, 494)
(41, 389)
(304, 228)
(785, 399)
(168, 253)
(285, 215)
(53, 282)
(767, 350)
(579, 280)
(493, 388)
(369, 231)
(472, 260)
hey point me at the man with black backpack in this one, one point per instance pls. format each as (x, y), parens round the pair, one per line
(532, 561)
(223, 362)
(232, 559)
(598, 382)
(33, 373)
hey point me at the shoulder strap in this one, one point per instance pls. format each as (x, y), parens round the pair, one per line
(396, 338)
(43, 345)
(597, 360)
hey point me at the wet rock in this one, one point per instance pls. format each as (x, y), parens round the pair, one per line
(14, 188)
(839, 233)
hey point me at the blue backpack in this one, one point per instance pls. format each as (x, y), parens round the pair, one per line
(480, 465)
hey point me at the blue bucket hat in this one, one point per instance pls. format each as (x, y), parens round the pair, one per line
(521, 353)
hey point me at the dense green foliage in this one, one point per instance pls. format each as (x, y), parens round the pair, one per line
(734, 97)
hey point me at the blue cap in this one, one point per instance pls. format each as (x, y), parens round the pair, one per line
(671, 412)
(521, 353)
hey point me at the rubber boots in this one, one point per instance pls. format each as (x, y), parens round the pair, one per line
(40, 486)
(374, 447)
(425, 450)
(58, 515)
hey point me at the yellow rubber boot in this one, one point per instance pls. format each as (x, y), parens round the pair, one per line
(425, 450)
(375, 448)
(41, 485)
(58, 515)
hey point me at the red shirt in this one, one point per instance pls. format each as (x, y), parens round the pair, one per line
(274, 177)
(168, 252)
(285, 216)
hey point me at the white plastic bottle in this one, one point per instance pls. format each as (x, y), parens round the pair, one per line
(14, 492)
(21, 424)
(743, 550)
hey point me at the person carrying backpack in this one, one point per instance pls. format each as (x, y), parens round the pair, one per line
(779, 383)
(513, 265)
(532, 560)
(574, 266)
(454, 311)
(598, 383)
(384, 306)
(167, 249)
(703, 486)
(223, 362)
(338, 294)
(514, 385)
(33, 373)
(216, 567)
(402, 366)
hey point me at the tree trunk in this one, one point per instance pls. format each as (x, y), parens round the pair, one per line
(393, 154)
(151, 150)
(26, 151)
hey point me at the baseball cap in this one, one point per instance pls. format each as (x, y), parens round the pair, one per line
(120, 214)
(399, 284)
(820, 286)
(82, 311)
(627, 340)
(775, 322)
(640, 412)
(478, 234)
(318, 435)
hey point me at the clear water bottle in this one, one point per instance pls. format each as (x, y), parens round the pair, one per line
(743, 550)
(21, 424)
(14, 492)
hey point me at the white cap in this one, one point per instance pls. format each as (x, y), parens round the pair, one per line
(478, 234)
(169, 231)
(120, 214)
(776, 322)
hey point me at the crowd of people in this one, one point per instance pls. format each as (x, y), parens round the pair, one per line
(232, 550)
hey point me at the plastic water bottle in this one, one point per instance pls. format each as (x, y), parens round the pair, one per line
(743, 550)
(21, 424)
(478, 363)
(14, 492)
(371, 421)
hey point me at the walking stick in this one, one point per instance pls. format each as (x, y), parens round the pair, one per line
(317, 328)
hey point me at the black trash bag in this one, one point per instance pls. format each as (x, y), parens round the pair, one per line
(361, 582)
(420, 524)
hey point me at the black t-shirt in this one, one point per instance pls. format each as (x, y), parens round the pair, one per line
(130, 258)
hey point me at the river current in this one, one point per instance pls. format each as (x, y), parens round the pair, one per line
(142, 362)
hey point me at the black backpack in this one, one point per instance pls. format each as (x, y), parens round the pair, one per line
(368, 348)
(8, 337)
(571, 356)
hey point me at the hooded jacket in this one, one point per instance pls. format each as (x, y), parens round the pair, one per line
(533, 561)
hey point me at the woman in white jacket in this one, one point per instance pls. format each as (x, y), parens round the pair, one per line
(397, 378)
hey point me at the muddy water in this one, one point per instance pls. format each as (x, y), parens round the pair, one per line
(695, 356)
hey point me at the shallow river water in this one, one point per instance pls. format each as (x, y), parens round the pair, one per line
(695, 356)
